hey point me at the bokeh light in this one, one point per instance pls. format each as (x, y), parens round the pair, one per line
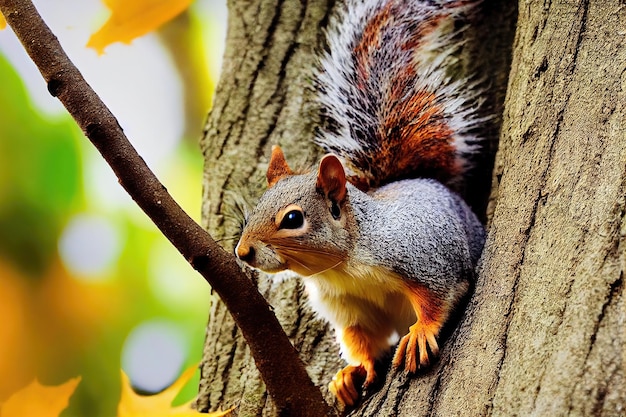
(89, 246)
(153, 355)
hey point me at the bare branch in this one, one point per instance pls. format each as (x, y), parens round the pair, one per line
(282, 370)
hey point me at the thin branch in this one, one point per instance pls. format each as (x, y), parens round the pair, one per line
(281, 368)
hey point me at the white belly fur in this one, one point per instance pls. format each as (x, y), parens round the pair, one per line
(370, 297)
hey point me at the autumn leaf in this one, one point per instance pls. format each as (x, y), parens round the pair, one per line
(132, 19)
(36, 400)
(3, 22)
(159, 405)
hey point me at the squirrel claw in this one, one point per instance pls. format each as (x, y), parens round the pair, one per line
(344, 384)
(414, 343)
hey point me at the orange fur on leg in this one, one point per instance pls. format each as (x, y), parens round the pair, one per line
(346, 385)
(431, 313)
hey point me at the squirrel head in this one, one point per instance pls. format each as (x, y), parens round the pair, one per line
(303, 222)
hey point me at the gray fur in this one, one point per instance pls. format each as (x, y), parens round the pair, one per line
(419, 229)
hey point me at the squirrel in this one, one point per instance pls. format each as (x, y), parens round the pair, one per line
(385, 249)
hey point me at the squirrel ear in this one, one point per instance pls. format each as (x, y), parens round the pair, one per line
(331, 178)
(278, 167)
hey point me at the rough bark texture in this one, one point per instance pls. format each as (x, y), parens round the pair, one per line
(544, 331)
(555, 258)
(262, 99)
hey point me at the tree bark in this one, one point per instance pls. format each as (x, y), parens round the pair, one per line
(263, 98)
(549, 309)
(543, 333)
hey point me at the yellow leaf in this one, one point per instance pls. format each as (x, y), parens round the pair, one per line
(36, 400)
(132, 19)
(158, 405)
(3, 22)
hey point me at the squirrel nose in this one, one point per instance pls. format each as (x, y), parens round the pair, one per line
(245, 252)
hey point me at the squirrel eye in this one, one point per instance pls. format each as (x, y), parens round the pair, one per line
(335, 211)
(292, 220)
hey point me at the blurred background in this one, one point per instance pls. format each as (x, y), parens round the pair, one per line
(87, 284)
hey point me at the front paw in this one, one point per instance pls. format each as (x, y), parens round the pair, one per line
(416, 342)
(346, 385)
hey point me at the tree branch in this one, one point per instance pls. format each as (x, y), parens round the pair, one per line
(282, 370)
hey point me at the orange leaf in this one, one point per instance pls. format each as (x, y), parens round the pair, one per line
(3, 22)
(16, 331)
(36, 400)
(159, 405)
(132, 19)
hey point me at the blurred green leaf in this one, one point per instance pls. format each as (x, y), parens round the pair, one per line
(39, 176)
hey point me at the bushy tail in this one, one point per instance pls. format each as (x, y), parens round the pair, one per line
(391, 107)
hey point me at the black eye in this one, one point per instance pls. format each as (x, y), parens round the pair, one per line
(292, 220)
(335, 211)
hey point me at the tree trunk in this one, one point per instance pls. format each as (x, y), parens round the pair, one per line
(263, 98)
(547, 321)
(543, 333)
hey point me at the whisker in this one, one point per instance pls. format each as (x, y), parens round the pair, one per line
(315, 254)
(329, 268)
(310, 259)
(227, 238)
(293, 259)
(295, 246)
